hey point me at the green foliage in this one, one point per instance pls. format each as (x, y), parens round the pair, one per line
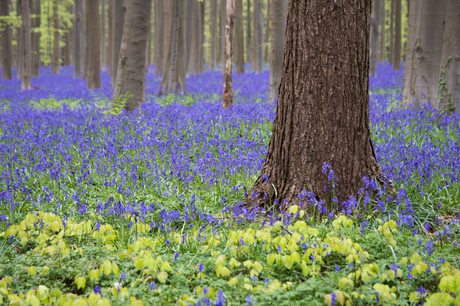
(109, 108)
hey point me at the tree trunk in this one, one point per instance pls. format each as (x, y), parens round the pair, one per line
(322, 115)
(104, 55)
(213, 59)
(174, 69)
(449, 86)
(7, 50)
(239, 36)
(168, 11)
(110, 35)
(228, 90)
(93, 41)
(397, 42)
(159, 35)
(383, 14)
(27, 73)
(267, 34)
(195, 43)
(423, 51)
(223, 14)
(202, 49)
(248, 33)
(66, 49)
(374, 35)
(56, 38)
(257, 56)
(20, 43)
(36, 38)
(188, 33)
(278, 25)
(77, 42)
(117, 28)
(392, 13)
(132, 69)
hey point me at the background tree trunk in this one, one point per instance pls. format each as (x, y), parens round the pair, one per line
(56, 39)
(449, 86)
(66, 49)
(36, 38)
(392, 13)
(202, 37)
(27, 74)
(77, 42)
(213, 58)
(159, 35)
(423, 51)
(7, 50)
(132, 69)
(374, 35)
(188, 33)
(267, 34)
(248, 33)
(223, 16)
(239, 36)
(397, 42)
(93, 41)
(196, 42)
(20, 43)
(168, 11)
(322, 116)
(228, 90)
(117, 28)
(278, 25)
(104, 55)
(383, 14)
(109, 36)
(257, 56)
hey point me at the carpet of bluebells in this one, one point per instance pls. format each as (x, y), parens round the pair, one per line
(145, 209)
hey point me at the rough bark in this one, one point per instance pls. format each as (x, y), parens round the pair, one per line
(36, 38)
(93, 41)
(132, 69)
(228, 90)
(322, 115)
(56, 38)
(257, 55)
(213, 57)
(196, 40)
(159, 35)
(7, 50)
(174, 68)
(103, 43)
(239, 36)
(77, 39)
(375, 21)
(27, 73)
(278, 25)
(267, 34)
(117, 28)
(248, 33)
(397, 37)
(449, 86)
(383, 14)
(392, 13)
(20, 44)
(423, 52)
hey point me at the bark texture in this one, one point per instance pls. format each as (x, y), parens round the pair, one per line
(77, 41)
(257, 55)
(213, 57)
(36, 10)
(278, 25)
(423, 52)
(323, 107)
(7, 50)
(383, 15)
(397, 36)
(375, 21)
(93, 41)
(449, 86)
(117, 28)
(228, 90)
(27, 73)
(56, 63)
(239, 36)
(132, 68)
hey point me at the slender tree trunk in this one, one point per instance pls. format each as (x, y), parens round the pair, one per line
(309, 127)
(278, 25)
(188, 33)
(248, 33)
(213, 59)
(392, 13)
(383, 14)
(423, 52)
(257, 56)
(228, 90)
(20, 43)
(117, 28)
(103, 44)
(66, 49)
(168, 12)
(110, 35)
(7, 50)
(448, 99)
(36, 38)
(202, 48)
(93, 41)
(159, 35)
(132, 69)
(374, 35)
(77, 42)
(239, 36)
(267, 34)
(27, 74)
(223, 14)
(195, 43)
(56, 39)
(397, 43)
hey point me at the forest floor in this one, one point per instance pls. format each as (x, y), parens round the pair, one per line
(130, 210)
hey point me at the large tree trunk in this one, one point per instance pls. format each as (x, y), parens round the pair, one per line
(267, 34)
(397, 43)
(159, 35)
(228, 90)
(374, 35)
(56, 38)
(7, 50)
(174, 68)
(27, 74)
(248, 33)
(257, 56)
(278, 25)
(449, 86)
(196, 42)
(132, 69)
(93, 41)
(423, 51)
(20, 44)
(322, 115)
(392, 13)
(117, 28)
(77, 42)
(213, 58)
(239, 36)
(383, 14)
(103, 43)
(36, 38)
